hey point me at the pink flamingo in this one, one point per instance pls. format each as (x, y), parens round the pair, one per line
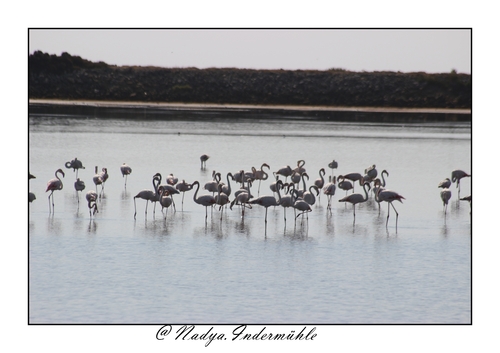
(204, 200)
(54, 184)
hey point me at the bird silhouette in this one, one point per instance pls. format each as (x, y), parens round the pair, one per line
(91, 197)
(389, 196)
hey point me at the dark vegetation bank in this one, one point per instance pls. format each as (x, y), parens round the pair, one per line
(73, 78)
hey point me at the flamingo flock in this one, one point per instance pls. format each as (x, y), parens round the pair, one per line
(288, 189)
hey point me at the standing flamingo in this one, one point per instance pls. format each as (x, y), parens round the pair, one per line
(260, 174)
(164, 198)
(79, 186)
(204, 200)
(289, 197)
(148, 195)
(389, 196)
(344, 184)
(91, 197)
(241, 198)
(268, 201)
(104, 177)
(75, 164)
(356, 198)
(203, 159)
(353, 177)
(333, 165)
(329, 190)
(169, 188)
(54, 184)
(285, 171)
(302, 206)
(97, 179)
(445, 196)
(445, 183)
(183, 187)
(126, 170)
(300, 167)
(370, 174)
(320, 182)
(221, 199)
(456, 175)
(309, 197)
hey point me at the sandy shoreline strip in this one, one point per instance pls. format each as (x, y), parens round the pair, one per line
(201, 106)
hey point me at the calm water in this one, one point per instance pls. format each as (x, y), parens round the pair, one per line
(179, 269)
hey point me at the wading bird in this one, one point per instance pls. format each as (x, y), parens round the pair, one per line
(183, 187)
(204, 200)
(97, 179)
(126, 170)
(148, 195)
(79, 186)
(75, 164)
(445, 197)
(268, 201)
(320, 182)
(329, 190)
(389, 196)
(164, 198)
(456, 175)
(356, 198)
(91, 197)
(53, 185)
(203, 159)
(445, 183)
(260, 174)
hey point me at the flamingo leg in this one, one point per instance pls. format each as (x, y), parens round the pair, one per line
(135, 209)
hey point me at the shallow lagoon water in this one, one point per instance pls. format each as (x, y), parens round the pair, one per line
(178, 269)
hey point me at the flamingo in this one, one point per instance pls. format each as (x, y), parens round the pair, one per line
(172, 180)
(97, 179)
(300, 167)
(79, 186)
(104, 177)
(289, 198)
(320, 182)
(302, 206)
(91, 197)
(370, 173)
(329, 190)
(148, 195)
(285, 171)
(260, 174)
(164, 198)
(344, 184)
(309, 197)
(333, 165)
(445, 196)
(221, 199)
(241, 198)
(203, 159)
(389, 196)
(169, 188)
(212, 185)
(268, 201)
(75, 164)
(183, 187)
(445, 183)
(204, 200)
(353, 177)
(126, 170)
(357, 198)
(456, 175)
(54, 184)
(377, 184)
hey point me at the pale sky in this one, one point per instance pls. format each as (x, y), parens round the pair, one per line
(410, 50)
